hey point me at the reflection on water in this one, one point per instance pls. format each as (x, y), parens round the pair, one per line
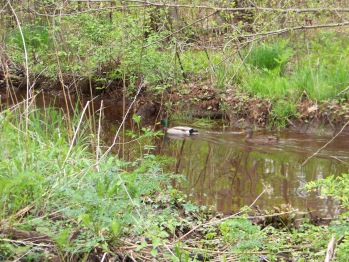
(223, 171)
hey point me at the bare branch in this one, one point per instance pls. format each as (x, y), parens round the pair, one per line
(330, 249)
(179, 30)
(143, 4)
(284, 30)
(325, 145)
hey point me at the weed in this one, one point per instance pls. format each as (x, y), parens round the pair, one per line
(270, 58)
(282, 111)
(43, 171)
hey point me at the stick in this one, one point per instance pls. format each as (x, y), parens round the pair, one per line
(98, 134)
(325, 145)
(330, 249)
(225, 218)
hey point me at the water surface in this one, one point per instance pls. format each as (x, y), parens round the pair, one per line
(225, 172)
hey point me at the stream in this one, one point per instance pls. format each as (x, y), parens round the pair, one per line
(225, 172)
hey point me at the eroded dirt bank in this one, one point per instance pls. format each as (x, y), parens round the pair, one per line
(194, 99)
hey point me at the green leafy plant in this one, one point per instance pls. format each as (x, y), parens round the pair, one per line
(334, 186)
(45, 172)
(281, 113)
(270, 58)
(242, 233)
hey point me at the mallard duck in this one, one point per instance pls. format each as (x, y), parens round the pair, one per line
(261, 140)
(177, 130)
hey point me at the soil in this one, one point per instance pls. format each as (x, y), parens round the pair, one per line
(230, 106)
(200, 100)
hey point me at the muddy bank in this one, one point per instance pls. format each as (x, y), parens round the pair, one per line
(199, 100)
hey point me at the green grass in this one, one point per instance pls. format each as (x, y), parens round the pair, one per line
(270, 57)
(282, 111)
(83, 208)
(322, 71)
(274, 72)
(44, 171)
(323, 79)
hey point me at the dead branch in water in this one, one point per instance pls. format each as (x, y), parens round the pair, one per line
(329, 142)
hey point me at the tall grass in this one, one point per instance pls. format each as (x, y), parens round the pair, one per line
(270, 57)
(274, 73)
(322, 71)
(46, 175)
(323, 79)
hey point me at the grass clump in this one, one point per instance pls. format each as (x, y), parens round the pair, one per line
(322, 73)
(281, 112)
(61, 191)
(267, 64)
(282, 72)
(270, 57)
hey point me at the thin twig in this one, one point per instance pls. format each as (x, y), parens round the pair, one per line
(223, 219)
(179, 30)
(142, 4)
(340, 160)
(98, 134)
(278, 214)
(26, 253)
(130, 198)
(25, 243)
(121, 125)
(77, 130)
(343, 91)
(324, 145)
(26, 66)
(104, 256)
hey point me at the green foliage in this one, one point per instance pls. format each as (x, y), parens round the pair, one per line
(126, 45)
(194, 62)
(160, 68)
(44, 172)
(241, 233)
(282, 111)
(341, 231)
(270, 58)
(36, 36)
(121, 199)
(81, 44)
(324, 72)
(336, 187)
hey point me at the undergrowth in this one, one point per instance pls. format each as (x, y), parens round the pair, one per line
(278, 68)
(91, 207)
(64, 187)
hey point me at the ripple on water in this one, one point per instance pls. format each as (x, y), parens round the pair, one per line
(223, 171)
